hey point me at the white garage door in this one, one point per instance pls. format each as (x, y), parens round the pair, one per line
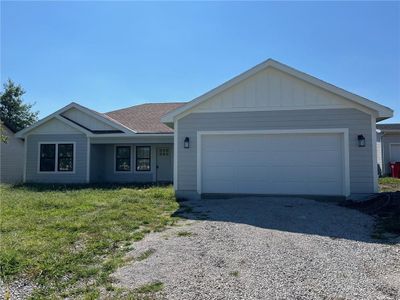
(309, 164)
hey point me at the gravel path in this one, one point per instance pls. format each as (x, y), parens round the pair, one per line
(271, 248)
(19, 289)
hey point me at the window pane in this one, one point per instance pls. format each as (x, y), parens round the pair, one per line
(123, 164)
(65, 157)
(65, 150)
(123, 152)
(143, 164)
(47, 164)
(47, 150)
(65, 164)
(143, 152)
(47, 157)
(123, 158)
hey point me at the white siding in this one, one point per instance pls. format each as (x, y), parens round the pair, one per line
(11, 158)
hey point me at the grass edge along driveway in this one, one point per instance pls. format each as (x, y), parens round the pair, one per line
(67, 240)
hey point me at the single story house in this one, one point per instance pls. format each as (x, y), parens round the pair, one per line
(11, 157)
(388, 146)
(270, 130)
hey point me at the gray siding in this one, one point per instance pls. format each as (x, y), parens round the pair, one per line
(386, 140)
(97, 163)
(11, 158)
(103, 164)
(32, 174)
(361, 169)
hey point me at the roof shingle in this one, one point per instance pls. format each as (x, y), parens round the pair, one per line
(393, 126)
(145, 118)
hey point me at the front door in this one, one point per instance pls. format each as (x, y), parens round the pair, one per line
(164, 164)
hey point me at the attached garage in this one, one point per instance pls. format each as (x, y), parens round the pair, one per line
(268, 162)
(276, 130)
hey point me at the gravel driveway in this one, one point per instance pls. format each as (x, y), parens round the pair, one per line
(266, 248)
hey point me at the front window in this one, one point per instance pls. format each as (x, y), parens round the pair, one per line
(47, 157)
(57, 157)
(123, 158)
(143, 158)
(65, 157)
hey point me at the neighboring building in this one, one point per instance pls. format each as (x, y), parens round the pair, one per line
(270, 130)
(11, 157)
(388, 146)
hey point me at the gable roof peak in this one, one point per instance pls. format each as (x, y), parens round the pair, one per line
(382, 112)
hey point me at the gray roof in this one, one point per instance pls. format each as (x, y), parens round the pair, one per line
(388, 127)
(145, 118)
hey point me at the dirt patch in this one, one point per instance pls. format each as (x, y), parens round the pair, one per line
(385, 207)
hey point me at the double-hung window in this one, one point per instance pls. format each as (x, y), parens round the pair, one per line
(47, 157)
(122, 158)
(65, 157)
(143, 158)
(56, 157)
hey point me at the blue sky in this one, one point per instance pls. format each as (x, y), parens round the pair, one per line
(110, 55)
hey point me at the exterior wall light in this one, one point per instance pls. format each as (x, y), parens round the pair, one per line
(186, 143)
(361, 140)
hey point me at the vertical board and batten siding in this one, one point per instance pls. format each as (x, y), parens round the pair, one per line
(11, 158)
(386, 140)
(32, 160)
(272, 89)
(357, 122)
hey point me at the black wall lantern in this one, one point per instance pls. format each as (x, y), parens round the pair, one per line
(361, 140)
(186, 143)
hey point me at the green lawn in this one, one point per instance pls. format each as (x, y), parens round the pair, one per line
(68, 240)
(389, 184)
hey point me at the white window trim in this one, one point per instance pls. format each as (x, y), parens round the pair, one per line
(390, 151)
(344, 131)
(56, 158)
(115, 159)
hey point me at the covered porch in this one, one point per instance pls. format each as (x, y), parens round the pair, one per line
(144, 159)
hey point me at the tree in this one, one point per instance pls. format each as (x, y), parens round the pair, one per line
(14, 113)
(3, 137)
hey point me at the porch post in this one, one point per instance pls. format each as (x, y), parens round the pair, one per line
(88, 160)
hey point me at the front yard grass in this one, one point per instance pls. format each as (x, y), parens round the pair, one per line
(67, 240)
(389, 184)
